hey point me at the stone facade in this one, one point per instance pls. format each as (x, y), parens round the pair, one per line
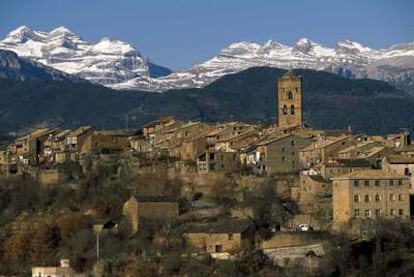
(226, 236)
(151, 207)
(278, 155)
(369, 194)
(289, 100)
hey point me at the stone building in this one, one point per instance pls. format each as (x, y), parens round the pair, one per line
(64, 270)
(315, 193)
(276, 155)
(150, 207)
(369, 194)
(400, 164)
(216, 161)
(219, 237)
(289, 100)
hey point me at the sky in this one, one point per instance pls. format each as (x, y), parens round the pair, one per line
(182, 33)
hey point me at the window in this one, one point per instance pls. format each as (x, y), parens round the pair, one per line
(400, 182)
(283, 158)
(292, 143)
(407, 171)
(391, 182)
(367, 213)
(400, 197)
(377, 198)
(230, 236)
(283, 149)
(292, 109)
(284, 109)
(289, 95)
(377, 212)
(377, 183)
(356, 183)
(293, 153)
(366, 183)
(392, 197)
(218, 248)
(356, 213)
(400, 212)
(392, 212)
(367, 198)
(356, 198)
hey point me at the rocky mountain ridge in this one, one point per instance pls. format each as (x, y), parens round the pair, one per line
(119, 65)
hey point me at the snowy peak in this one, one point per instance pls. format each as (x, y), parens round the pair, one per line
(240, 49)
(21, 35)
(304, 45)
(347, 46)
(105, 62)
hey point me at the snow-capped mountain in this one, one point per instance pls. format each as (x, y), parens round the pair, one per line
(349, 59)
(106, 62)
(119, 65)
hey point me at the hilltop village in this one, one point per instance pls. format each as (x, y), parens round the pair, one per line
(231, 197)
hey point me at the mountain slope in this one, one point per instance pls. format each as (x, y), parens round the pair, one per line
(13, 67)
(330, 101)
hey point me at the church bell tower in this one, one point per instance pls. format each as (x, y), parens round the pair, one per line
(289, 113)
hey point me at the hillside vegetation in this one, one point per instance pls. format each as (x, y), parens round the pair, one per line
(330, 102)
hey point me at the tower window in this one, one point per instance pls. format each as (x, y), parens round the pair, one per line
(284, 109)
(292, 109)
(289, 95)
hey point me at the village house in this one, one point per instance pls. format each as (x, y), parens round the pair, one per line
(29, 148)
(140, 144)
(150, 128)
(55, 143)
(238, 141)
(276, 155)
(138, 208)
(229, 235)
(315, 193)
(214, 161)
(322, 150)
(107, 142)
(226, 131)
(80, 140)
(369, 194)
(341, 166)
(64, 270)
(400, 164)
(191, 147)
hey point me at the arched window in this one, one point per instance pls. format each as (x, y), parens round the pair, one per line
(377, 198)
(367, 198)
(289, 95)
(292, 109)
(356, 198)
(284, 109)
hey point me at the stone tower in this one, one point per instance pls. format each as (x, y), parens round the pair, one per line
(289, 89)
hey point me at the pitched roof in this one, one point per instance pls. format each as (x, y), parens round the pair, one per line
(351, 163)
(400, 159)
(224, 226)
(154, 198)
(318, 178)
(370, 174)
